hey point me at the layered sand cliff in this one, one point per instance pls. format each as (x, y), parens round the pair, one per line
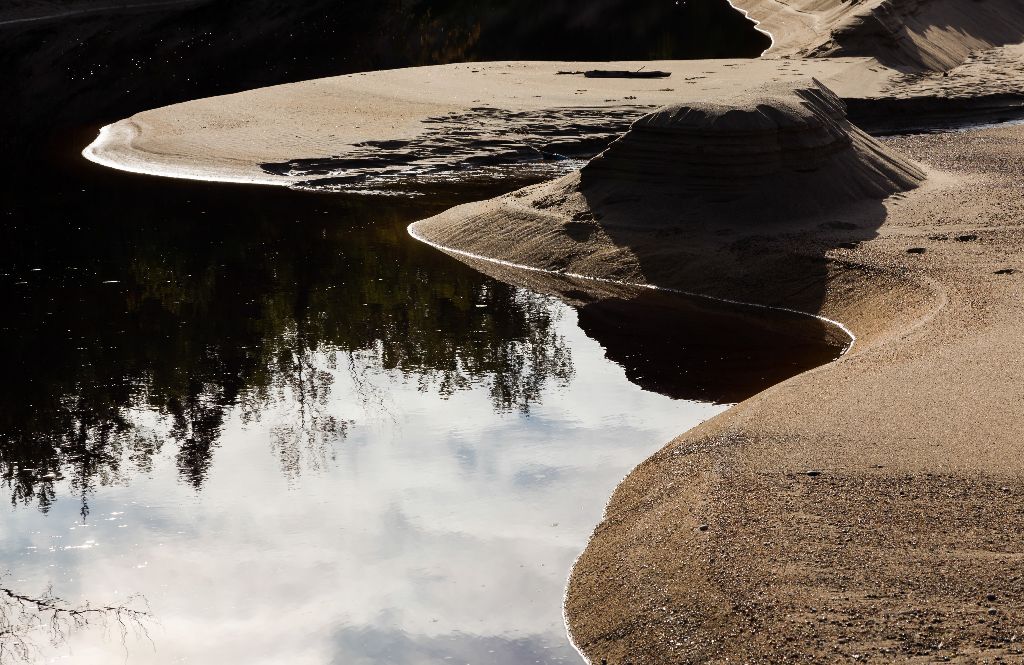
(683, 179)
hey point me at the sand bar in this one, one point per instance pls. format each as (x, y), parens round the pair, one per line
(228, 138)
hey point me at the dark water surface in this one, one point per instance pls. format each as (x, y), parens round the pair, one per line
(294, 434)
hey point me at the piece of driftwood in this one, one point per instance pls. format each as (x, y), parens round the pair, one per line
(624, 74)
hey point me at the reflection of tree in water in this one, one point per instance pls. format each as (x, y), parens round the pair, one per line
(516, 371)
(84, 443)
(25, 620)
(302, 436)
(152, 326)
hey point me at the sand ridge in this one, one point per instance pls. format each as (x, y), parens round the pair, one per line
(928, 35)
(751, 155)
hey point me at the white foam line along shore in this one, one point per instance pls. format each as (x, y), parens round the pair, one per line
(757, 25)
(652, 287)
(94, 153)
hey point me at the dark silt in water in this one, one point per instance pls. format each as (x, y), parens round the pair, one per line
(291, 433)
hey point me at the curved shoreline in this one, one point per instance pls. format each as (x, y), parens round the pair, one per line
(519, 267)
(98, 152)
(917, 324)
(916, 310)
(654, 287)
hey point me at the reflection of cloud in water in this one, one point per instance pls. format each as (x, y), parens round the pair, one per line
(447, 441)
(436, 534)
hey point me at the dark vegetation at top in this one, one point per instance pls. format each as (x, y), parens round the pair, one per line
(96, 67)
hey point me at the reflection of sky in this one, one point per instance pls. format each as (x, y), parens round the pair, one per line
(439, 531)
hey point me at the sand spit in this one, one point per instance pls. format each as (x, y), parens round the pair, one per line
(430, 119)
(444, 121)
(868, 509)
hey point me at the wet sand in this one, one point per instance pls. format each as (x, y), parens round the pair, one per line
(869, 509)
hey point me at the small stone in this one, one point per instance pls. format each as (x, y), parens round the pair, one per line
(970, 237)
(992, 611)
(702, 527)
(916, 250)
(991, 597)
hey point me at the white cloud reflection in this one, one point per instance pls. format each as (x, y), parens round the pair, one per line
(440, 532)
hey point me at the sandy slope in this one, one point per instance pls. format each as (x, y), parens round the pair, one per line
(870, 508)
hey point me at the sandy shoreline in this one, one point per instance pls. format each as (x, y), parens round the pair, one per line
(867, 510)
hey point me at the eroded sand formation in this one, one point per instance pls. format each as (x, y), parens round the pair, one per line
(869, 509)
(757, 160)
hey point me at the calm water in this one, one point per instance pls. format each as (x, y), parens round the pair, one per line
(293, 434)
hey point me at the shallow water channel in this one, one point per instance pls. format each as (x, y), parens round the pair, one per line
(292, 434)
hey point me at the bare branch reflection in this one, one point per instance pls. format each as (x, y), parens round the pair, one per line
(25, 620)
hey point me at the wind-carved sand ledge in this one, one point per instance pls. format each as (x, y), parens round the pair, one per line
(869, 509)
